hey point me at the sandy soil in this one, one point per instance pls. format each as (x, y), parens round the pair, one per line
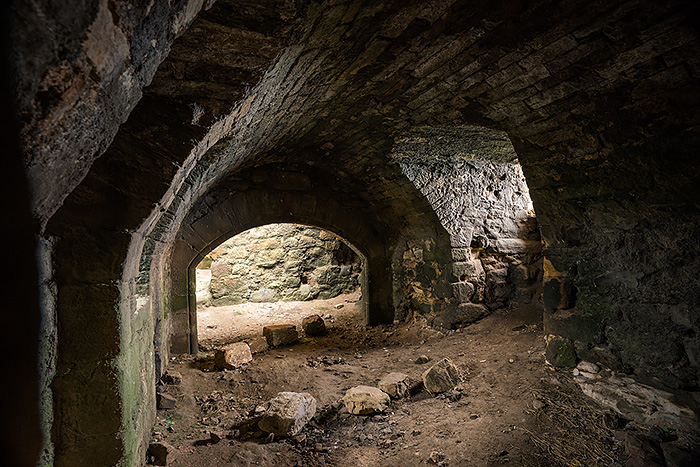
(484, 422)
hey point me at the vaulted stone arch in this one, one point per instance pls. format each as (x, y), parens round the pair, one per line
(256, 206)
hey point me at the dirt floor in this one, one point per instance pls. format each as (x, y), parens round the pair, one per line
(494, 417)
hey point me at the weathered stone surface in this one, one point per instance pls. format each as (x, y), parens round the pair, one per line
(441, 377)
(640, 403)
(313, 325)
(397, 385)
(257, 345)
(365, 400)
(165, 401)
(467, 313)
(560, 352)
(287, 413)
(280, 334)
(280, 262)
(232, 356)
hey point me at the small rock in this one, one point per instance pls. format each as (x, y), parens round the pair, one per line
(287, 413)
(280, 334)
(157, 454)
(441, 377)
(588, 367)
(339, 306)
(538, 404)
(365, 400)
(215, 436)
(560, 352)
(313, 325)
(300, 439)
(165, 401)
(397, 385)
(436, 458)
(232, 356)
(257, 345)
(172, 377)
(422, 359)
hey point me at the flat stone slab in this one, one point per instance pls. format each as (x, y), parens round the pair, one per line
(313, 325)
(232, 356)
(365, 400)
(281, 334)
(441, 377)
(397, 385)
(287, 413)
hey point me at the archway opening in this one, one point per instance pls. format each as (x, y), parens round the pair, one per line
(276, 274)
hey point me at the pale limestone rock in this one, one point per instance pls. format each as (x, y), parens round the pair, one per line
(365, 400)
(287, 413)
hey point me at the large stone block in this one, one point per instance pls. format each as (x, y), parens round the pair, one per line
(287, 413)
(280, 334)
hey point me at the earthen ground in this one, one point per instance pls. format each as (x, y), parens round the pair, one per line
(501, 359)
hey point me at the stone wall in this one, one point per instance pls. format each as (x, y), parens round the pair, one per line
(473, 181)
(281, 262)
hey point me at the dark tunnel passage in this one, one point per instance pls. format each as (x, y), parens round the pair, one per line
(425, 134)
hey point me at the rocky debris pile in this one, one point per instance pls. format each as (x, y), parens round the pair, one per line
(441, 377)
(280, 334)
(365, 400)
(287, 413)
(313, 325)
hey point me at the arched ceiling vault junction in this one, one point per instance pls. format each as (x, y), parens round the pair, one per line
(600, 100)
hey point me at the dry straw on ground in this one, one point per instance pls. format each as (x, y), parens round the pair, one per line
(572, 429)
